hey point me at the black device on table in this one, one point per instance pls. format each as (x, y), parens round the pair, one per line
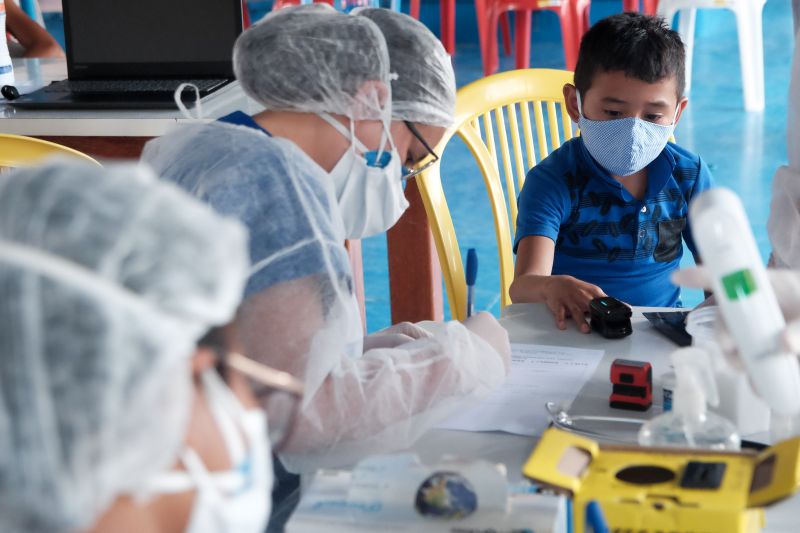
(671, 324)
(610, 317)
(135, 54)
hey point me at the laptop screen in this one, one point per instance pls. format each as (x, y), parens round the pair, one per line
(151, 38)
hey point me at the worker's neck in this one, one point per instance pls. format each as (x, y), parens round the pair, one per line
(310, 133)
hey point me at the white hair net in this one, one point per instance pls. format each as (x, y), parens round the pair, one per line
(425, 88)
(300, 313)
(108, 278)
(311, 58)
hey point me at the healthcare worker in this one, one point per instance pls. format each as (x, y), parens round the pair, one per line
(423, 88)
(323, 78)
(783, 226)
(111, 416)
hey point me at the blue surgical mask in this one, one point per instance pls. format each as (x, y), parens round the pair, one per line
(623, 146)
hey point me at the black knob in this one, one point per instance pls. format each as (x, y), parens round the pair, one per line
(9, 92)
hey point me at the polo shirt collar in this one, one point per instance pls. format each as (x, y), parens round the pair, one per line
(659, 172)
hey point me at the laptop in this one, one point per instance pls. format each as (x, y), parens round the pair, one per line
(133, 54)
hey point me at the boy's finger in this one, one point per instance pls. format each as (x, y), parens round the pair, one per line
(560, 317)
(580, 318)
(693, 278)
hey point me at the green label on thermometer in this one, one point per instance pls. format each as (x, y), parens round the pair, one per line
(739, 284)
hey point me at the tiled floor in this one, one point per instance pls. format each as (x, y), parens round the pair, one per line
(742, 149)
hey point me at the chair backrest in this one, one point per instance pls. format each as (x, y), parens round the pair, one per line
(18, 151)
(510, 122)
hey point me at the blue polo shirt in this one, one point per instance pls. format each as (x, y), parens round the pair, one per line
(605, 236)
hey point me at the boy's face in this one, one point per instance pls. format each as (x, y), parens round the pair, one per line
(614, 95)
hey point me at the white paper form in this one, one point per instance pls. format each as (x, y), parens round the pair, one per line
(539, 374)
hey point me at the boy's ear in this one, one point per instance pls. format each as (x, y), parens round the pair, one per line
(571, 99)
(681, 106)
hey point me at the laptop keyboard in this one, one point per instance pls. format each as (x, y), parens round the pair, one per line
(131, 86)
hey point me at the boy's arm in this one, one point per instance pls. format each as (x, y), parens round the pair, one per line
(565, 296)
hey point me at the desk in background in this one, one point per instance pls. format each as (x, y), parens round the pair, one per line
(112, 134)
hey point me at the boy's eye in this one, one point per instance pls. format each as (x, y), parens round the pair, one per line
(612, 113)
(653, 118)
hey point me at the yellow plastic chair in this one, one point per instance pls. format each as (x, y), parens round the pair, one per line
(18, 151)
(510, 122)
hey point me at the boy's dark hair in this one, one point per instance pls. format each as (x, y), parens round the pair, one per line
(643, 47)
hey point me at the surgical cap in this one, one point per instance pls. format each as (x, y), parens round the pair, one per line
(311, 58)
(108, 279)
(425, 88)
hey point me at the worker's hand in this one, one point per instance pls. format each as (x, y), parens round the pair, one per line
(489, 329)
(786, 284)
(566, 297)
(394, 336)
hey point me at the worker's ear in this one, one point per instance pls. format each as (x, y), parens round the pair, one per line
(571, 100)
(370, 97)
(203, 359)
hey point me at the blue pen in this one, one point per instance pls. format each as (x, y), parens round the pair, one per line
(595, 518)
(472, 274)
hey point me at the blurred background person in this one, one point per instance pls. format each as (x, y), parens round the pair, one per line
(112, 418)
(26, 38)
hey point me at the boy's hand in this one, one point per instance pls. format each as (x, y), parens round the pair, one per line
(567, 296)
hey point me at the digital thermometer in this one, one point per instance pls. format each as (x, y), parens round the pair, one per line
(745, 297)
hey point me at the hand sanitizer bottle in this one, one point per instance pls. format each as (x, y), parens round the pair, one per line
(6, 68)
(745, 296)
(690, 424)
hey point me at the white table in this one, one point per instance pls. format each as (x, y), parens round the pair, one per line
(98, 131)
(533, 323)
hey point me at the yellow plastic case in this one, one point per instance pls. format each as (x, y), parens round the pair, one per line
(666, 489)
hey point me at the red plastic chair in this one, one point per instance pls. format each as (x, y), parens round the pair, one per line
(447, 15)
(245, 15)
(490, 11)
(278, 4)
(649, 7)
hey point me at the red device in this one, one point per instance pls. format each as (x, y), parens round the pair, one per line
(632, 385)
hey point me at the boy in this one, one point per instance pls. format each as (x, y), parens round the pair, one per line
(604, 214)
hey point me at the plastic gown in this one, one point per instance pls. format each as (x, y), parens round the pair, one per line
(783, 226)
(300, 313)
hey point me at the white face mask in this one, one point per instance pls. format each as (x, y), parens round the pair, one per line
(237, 500)
(368, 187)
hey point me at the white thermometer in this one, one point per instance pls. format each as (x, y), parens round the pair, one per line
(745, 297)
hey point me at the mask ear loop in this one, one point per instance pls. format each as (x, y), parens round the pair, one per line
(580, 104)
(198, 105)
(675, 116)
(386, 121)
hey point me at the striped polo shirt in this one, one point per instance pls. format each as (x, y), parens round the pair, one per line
(605, 236)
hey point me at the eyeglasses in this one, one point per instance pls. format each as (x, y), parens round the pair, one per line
(278, 393)
(434, 158)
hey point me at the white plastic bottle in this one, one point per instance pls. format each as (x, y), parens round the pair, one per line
(737, 401)
(745, 297)
(690, 424)
(6, 68)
